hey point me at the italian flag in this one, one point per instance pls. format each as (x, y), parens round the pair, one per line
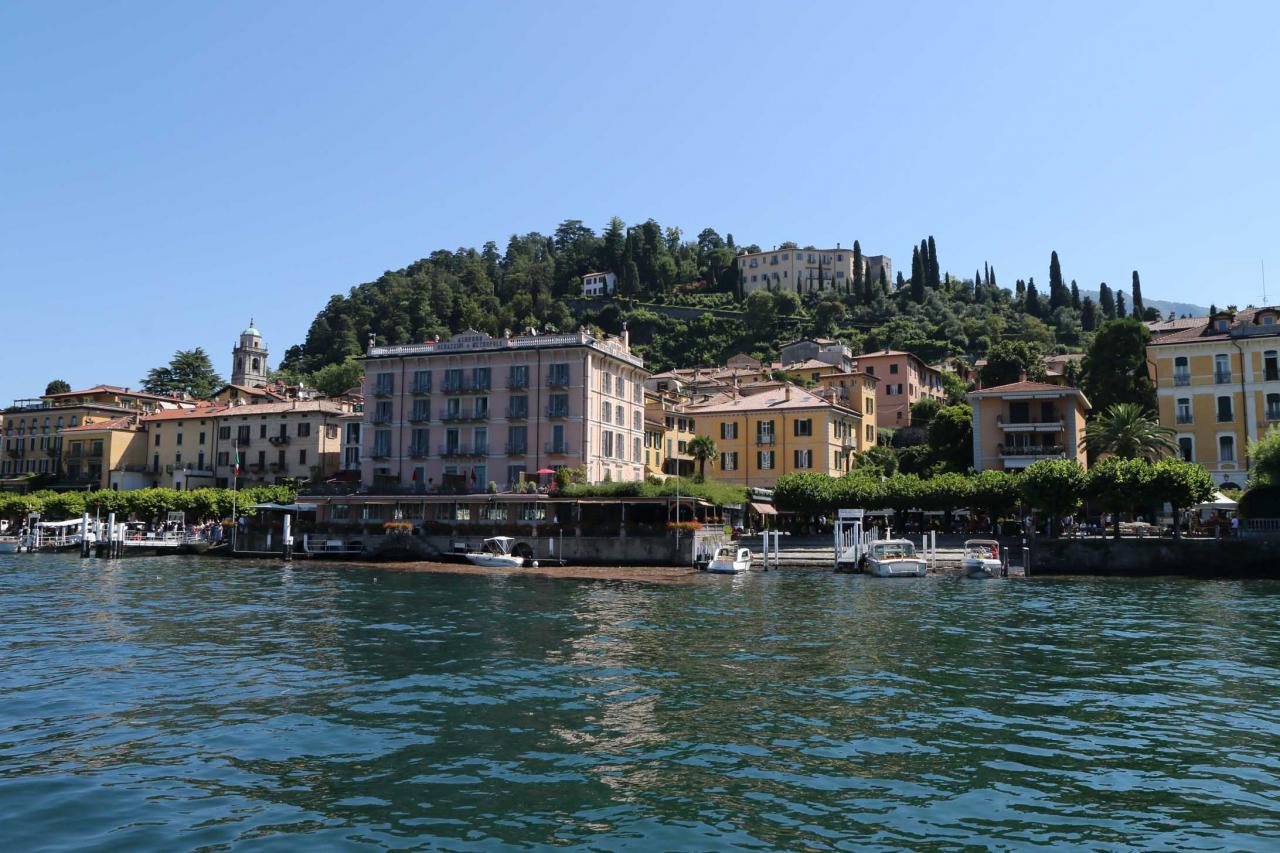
(237, 467)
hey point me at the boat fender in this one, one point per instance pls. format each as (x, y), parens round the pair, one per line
(535, 564)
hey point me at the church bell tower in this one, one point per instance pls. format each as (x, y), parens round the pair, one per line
(249, 359)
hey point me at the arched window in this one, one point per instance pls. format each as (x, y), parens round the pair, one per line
(75, 420)
(255, 365)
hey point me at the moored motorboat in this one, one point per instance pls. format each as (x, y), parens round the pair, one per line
(727, 561)
(894, 558)
(981, 558)
(10, 544)
(496, 553)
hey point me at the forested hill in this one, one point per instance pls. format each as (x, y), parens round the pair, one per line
(524, 285)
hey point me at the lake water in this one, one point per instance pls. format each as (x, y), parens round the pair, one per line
(186, 703)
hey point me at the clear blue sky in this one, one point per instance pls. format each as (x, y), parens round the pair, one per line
(168, 169)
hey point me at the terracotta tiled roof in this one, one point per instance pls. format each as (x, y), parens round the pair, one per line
(116, 389)
(292, 407)
(1022, 387)
(1204, 330)
(782, 397)
(183, 414)
(113, 424)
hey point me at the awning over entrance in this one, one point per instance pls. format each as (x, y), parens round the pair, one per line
(764, 509)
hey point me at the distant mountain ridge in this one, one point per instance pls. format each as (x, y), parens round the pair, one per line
(1164, 305)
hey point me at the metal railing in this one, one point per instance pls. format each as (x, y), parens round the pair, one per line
(1222, 377)
(557, 412)
(558, 447)
(422, 388)
(766, 440)
(1183, 419)
(1182, 379)
(517, 413)
(557, 380)
(514, 381)
(455, 385)
(419, 416)
(1226, 417)
(417, 451)
(516, 449)
(279, 439)
(1034, 450)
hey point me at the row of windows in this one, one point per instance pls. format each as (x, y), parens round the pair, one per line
(766, 460)
(810, 257)
(1222, 368)
(1225, 409)
(474, 379)
(1226, 448)
(800, 427)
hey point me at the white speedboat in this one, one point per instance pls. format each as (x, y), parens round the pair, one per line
(981, 558)
(728, 562)
(894, 558)
(10, 544)
(495, 553)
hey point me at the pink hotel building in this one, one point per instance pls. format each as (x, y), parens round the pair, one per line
(477, 409)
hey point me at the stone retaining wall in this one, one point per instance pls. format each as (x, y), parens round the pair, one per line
(1208, 558)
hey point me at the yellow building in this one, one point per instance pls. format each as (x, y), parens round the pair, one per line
(33, 442)
(782, 429)
(1023, 422)
(180, 448)
(1218, 386)
(855, 390)
(92, 453)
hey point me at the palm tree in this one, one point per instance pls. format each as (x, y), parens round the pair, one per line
(1126, 430)
(702, 448)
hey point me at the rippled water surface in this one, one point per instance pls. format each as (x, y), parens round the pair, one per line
(180, 703)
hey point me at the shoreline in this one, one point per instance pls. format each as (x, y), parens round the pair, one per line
(637, 574)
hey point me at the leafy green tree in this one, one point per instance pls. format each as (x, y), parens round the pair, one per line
(1053, 486)
(1115, 366)
(189, 372)
(804, 493)
(995, 492)
(1128, 431)
(57, 386)
(333, 379)
(1118, 485)
(877, 461)
(951, 437)
(702, 448)
(1264, 456)
(1007, 360)
(923, 410)
(1182, 484)
(955, 387)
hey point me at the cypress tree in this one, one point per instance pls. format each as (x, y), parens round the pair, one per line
(986, 269)
(1106, 302)
(1019, 291)
(991, 277)
(1075, 296)
(857, 283)
(1213, 309)
(932, 269)
(977, 286)
(917, 274)
(1057, 290)
(1120, 312)
(884, 282)
(901, 283)
(1031, 300)
(1088, 315)
(1138, 308)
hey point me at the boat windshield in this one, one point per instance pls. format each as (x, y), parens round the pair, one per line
(893, 550)
(725, 553)
(982, 550)
(495, 546)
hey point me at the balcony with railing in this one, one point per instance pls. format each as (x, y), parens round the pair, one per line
(1183, 418)
(417, 451)
(1222, 377)
(1037, 450)
(557, 448)
(517, 413)
(557, 411)
(1009, 424)
(1271, 374)
(381, 417)
(517, 448)
(279, 440)
(1182, 379)
(464, 449)
(383, 390)
(518, 380)
(422, 387)
(466, 415)
(419, 416)
(1226, 416)
(380, 452)
(1273, 414)
(480, 383)
(456, 385)
(557, 379)
(766, 440)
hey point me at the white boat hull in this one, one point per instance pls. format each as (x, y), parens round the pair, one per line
(976, 568)
(728, 567)
(900, 568)
(8, 547)
(495, 561)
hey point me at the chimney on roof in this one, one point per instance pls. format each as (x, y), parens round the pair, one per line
(786, 391)
(626, 337)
